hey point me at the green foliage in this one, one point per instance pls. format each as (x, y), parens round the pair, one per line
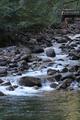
(24, 13)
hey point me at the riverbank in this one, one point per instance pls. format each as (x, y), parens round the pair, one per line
(40, 61)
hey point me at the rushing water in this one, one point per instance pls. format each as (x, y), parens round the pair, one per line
(27, 103)
(58, 63)
(57, 105)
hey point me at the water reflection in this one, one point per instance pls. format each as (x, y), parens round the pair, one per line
(56, 105)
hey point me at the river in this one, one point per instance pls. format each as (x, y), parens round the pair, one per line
(57, 105)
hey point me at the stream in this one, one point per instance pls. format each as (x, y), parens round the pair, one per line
(44, 103)
(57, 63)
(57, 105)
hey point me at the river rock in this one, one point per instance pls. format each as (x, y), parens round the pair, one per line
(50, 78)
(78, 78)
(58, 77)
(74, 68)
(1, 81)
(7, 83)
(30, 81)
(3, 71)
(65, 84)
(37, 49)
(51, 71)
(50, 52)
(25, 57)
(75, 55)
(54, 85)
(2, 94)
(64, 70)
(3, 62)
(10, 88)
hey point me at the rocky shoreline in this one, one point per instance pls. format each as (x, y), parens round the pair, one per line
(56, 51)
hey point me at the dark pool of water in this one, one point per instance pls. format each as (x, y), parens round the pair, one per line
(57, 105)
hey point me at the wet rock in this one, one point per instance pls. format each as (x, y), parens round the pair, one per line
(10, 88)
(50, 78)
(65, 84)
(50, 52)
(78, 78)
(61, 39)
(25, 57)
(58, 77)
(1, 81)
(22, 63)
(3, 62)
(38, 49)
(3, 71)
(6, 83)
(36, 87)
(51, 71)
(74, 85)
(16, 58)
(2, 94)
(30, 81)
(13, 65)
(54, 85)
(75, 55)
(64, 70)
(15, 86)
(74, 68)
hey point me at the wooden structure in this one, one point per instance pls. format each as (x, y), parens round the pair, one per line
(69, 15)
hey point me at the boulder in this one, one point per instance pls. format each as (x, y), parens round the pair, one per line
(50, 52)
(37, 49)
(30, 81)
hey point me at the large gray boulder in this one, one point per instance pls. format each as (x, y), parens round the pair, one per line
(30, 81)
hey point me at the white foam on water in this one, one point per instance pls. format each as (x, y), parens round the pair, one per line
(25, 91)
(73, 37)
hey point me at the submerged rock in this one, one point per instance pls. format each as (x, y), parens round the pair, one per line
(30, 81)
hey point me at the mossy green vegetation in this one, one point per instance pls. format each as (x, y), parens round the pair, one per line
(25, 13)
